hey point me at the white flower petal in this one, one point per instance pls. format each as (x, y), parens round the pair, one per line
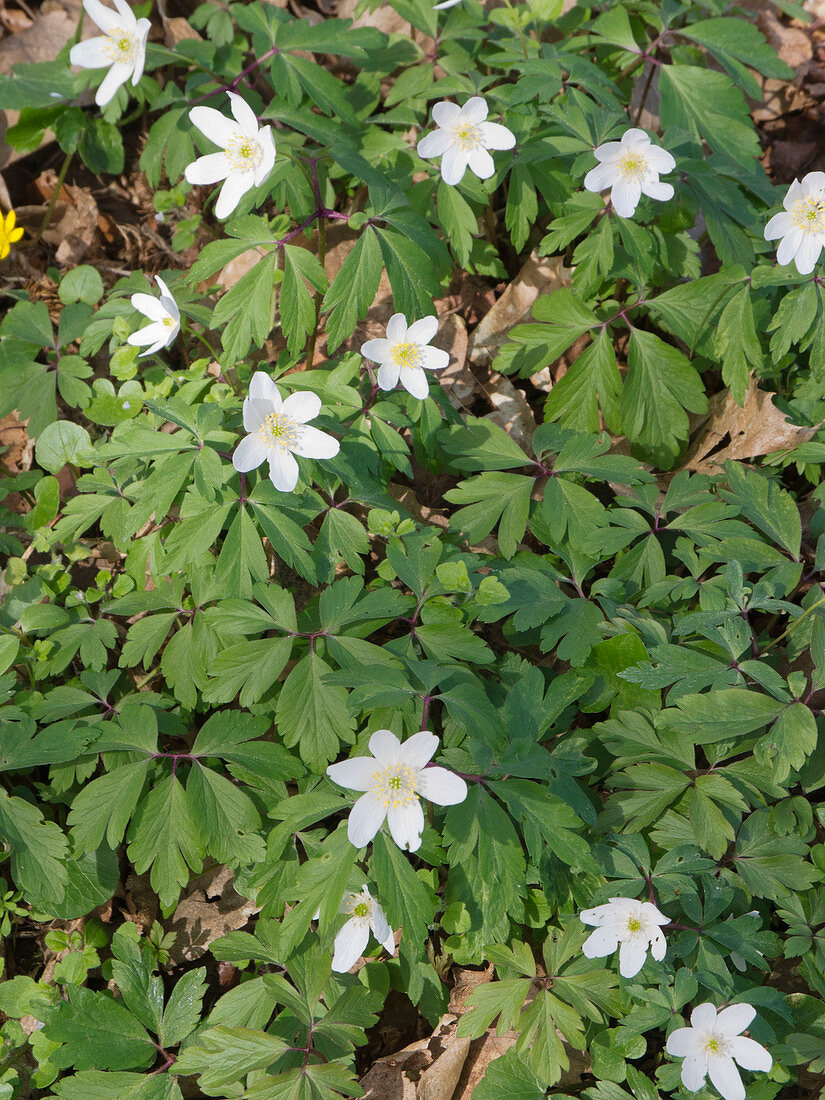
(376, 350)
(794, 193)
(255, 413)
(750, 1054)
(694, 1071)
(303, 405)
(660, 160)
(611, 150)
(474, 110)
(150, 334)
(262, 388)
(603, 941)
(658, 945)
(349, 945)
(249, 454)
(283, 469)
(807, 254)
(421, 332)
(684, 1041)
(496, 136)
(632, 955)
(600, 177)
(788, 247)
(651, 913)
(434, 144)
(662, 192)
(779, 225)
(440, 786)
(165, 292)
(90, 54)
(414, 381)
(634, 136)
(419, 749)
(386, 748)
(813, 182)
(234, 188)
(244, 115)
(381, 929)
(599, 915)
(212, 124)
(208, 169)
(480, 163)
(313, 443)
(446, 113)
(355, 774)
(625, 195)
(406, 825)
(397, 329)
(143, 28)
(734, 1019)
(267, 143)
(434, 358)
(703, 1017)
(105, 18)
(445, 4)
(365, 819)
(388, 374)
(126, 14)
(117, 75)
(725, 1077)
(150, 307)
(453, 165)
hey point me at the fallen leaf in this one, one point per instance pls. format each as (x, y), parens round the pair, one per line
(757, 428)
(537, 276)
(210, 909)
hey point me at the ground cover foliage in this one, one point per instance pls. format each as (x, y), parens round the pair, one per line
(625, 660)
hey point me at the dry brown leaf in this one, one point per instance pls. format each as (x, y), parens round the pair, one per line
(791, 43)
(428, 1069)
(17, 448)
(758, 428)
(537, 276)
(210, 909)
(510, 410)
(457, 379)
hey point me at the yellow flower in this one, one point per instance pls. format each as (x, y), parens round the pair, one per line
(8, 234)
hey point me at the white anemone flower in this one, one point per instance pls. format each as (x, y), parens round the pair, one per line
(278, 430)
(446, 4)
(636, 925)
(712, 1044)
(463, 139)
(801, 225)
(630, 168)
(247, 152)
(366, 916)
(405, 354)
(393, 778)
(164, 315)
(121, 48)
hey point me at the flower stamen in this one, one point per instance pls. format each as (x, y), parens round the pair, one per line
(244, 153)
(809, 214)
(394, 786)
(279, 431)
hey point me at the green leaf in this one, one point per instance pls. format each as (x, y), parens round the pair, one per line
(245, 313)
(405, 899)
(456, 216)
(101, 147)
(768, 506)
(38, 850)
(225, 817)
(96, 1085)
(183, 1010)
(737, 343)
(81, 284)
(104, 807)
(481, 445)
(707, 104)
(97, 1032)
(354, 288)
(164, 837)
(490, 499)
(736, 44)
(312, 714)
(224, 1055)
(297, 306)
(790, 741)
(591, 382)
(661, 387)
(509, 1078)
(715, 715)
(60, 443)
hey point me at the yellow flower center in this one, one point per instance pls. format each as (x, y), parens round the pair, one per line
(169, 322)
(634, 924)
(715, 1045)
(243, 153)
(809, 214)
(120, 46)
(406, 355)
(632, 166)
(361, 910)
(279, 431)
(394, 786)
(467, 136)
